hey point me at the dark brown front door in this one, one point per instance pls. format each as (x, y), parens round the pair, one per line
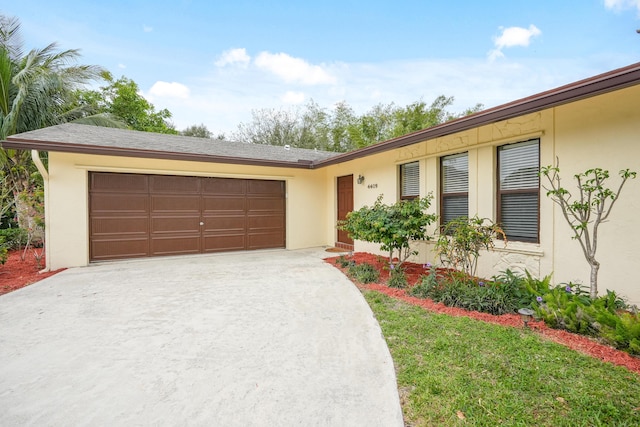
(135, 215)
(345, 205)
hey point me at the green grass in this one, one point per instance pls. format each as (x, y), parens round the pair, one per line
(497, 375)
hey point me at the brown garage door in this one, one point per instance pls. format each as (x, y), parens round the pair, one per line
(134, 215)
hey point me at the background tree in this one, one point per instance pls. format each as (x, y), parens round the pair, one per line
(341, 129)
(36, 89)
(122, 100)
(199, 131)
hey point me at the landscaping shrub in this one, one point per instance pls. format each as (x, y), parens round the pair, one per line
(364, 273)
(343, 261)
(570, 307)
(15, 238)
(505, 294)
(397, 277)
(3, 251)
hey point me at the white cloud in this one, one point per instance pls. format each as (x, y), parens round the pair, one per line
(619, 5)
(293, 70)
(292, 98)
(147, 28)
(233, 56)
(224, 100)
(122, 66)
(162, 89)
(513, 36)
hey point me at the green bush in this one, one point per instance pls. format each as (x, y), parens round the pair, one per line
(394, 227)
(15, 238)
(569, 307)
(364, 273)
(3, 250)
(397, 277)
(505, 294)
(343, 261)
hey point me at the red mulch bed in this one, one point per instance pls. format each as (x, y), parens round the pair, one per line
(16, 273)
(576, 342)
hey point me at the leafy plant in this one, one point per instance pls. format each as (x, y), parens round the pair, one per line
(394, 226)
(590, 208)
(397, 277)
(504, 294)
(4, 253)
(343, 261)
(15, 238)
(364, 273)
(461, 240)
(570, 307)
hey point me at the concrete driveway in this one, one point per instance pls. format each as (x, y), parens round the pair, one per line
(268, 338)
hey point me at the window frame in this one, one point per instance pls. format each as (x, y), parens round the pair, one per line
(401, 180)
(444, 195)
(522, 191)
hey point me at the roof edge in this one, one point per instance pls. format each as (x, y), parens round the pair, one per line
(27, 144)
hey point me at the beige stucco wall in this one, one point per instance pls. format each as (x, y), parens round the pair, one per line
(603, 131)
(67, 203)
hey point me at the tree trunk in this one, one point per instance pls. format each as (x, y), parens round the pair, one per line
(593, 289)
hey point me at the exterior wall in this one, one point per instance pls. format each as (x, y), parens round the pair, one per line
(597, 132)
(67, 199)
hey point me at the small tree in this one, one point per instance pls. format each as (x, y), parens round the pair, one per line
(393, 226)
(462, 239)
(591, 207)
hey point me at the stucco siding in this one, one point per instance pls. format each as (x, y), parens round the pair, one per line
(68, 212)
(603, 131)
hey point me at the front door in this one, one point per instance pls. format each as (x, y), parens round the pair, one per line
(345, 205)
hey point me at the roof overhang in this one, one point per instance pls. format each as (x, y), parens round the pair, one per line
(61, 147)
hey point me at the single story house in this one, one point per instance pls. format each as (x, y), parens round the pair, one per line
(113, 194)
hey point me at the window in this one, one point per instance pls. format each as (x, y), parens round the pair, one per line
(409, 181)
(454, 187)
(518, 190)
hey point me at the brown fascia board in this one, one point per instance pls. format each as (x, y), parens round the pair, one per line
(598, 85)
(26, 144)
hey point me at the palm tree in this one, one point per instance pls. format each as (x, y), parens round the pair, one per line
(35, 92)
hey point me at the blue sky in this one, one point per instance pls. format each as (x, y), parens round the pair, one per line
(213, 62)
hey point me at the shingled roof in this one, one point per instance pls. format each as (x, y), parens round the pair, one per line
(78, 138)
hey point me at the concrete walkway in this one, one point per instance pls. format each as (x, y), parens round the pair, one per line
(268, 338)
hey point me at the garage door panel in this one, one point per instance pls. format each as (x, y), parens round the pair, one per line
(224, 204)
(151, 215)
(101, 226)
(119, 203)
(265, 187)
(222, 243)
(272, 204)
(265, 222)
(175, 245)
(175, 203)
(119, 182)
(229, 223)
(174, 184)
(221, 186)
(266, 240)
(175, 224)
(106, 249)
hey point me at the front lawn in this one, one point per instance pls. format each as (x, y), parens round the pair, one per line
(460, 371)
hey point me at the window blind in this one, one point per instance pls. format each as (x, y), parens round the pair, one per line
(455, 187)
(410, 180)
(519, 187)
